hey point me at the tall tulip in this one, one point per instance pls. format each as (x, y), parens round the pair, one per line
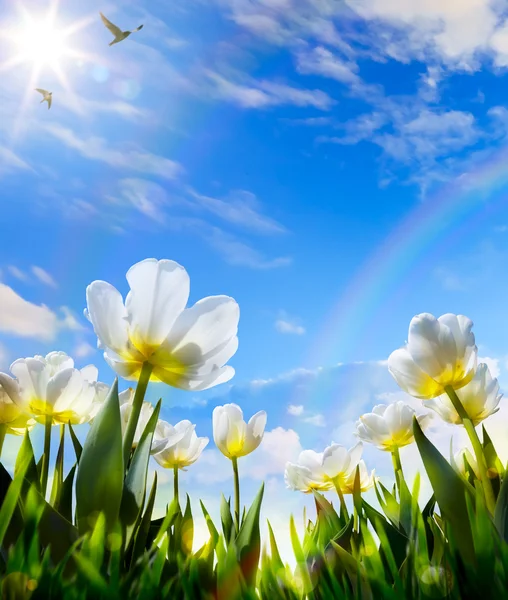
(440, 354)
(323, 471)
(440, 358)
(235, 438)
(153, 336)
(181, 447)
(390, 427)
(52, 391)
(479, 399)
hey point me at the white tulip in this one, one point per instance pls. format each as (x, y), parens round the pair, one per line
(479, 398)
(465, 455)
(182, 447)
(389, 426)
(188, 348)
(366, 481)
(51, 387)
(16, 421)
(232, 435)
(101, 393)
(439, 353)
(126, 403)
(323, 471)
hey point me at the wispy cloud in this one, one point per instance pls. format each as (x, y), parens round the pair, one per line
(286, 324)
(263, 94)
(43, 276)
(9, 162)
(131, 157)
(240, 208)
(17, 273)
(240, 254)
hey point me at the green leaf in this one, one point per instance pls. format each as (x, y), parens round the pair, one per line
(501, 511)
(26, 453)
(55, 531)
(248, 542)
(16, 525)
(11, 497)
(99, 481)
(168, 520)
(65, 502)
(226, 518)
(134, 488)
(56, 489)
(144, 527)
(449, 491)
(78, 449)
(274, 550)
(186, 530)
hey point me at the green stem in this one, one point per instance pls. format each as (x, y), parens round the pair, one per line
(3, 431)
(137, 403)
(46, 456)
(175, 484)
(477, 447)
(234, 460)
(397, 466)
(343, 507)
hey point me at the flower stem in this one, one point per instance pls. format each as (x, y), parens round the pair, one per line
(3, 431)
(234, 460)
(477, 447)
(46, 456)
(175, 484)
(397, 466)
(343, 507)
(137, 403)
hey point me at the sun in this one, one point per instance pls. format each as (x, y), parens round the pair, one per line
(42, 43)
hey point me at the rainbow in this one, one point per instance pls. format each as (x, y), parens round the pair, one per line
(446, 214)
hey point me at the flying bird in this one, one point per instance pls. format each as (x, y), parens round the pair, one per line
(46, 96)
(116, 31)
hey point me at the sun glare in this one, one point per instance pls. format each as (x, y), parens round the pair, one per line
(42, 43)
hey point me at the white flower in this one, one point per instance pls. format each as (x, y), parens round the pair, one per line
(126, 399)
(51, 386)
(480, 399)
(389, 426)
(322, 470)
(188, 348)
(366, 481)
(101, 393)
(440, 352)
(232, 435)
(16, 421)
(459, 459)
(182, 447)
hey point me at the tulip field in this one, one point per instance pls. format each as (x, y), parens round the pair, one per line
(90, 532)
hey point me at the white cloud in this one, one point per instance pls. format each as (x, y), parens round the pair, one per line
(43, 276)
(240, 208)
(9, 161)
(17, 273)
(83, 349)
(263, 94)
(295, 410)
(70, 320)
(285, 326)
(318, 420)
(23, 318)
(130, 158)
(146, 196)
(240, 254)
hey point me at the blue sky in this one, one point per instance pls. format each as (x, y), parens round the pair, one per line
(335, 167)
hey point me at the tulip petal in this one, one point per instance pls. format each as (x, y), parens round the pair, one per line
(159, 293)
(108, 316)
(410, 376)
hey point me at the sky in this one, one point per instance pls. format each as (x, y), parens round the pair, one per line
(336, 167)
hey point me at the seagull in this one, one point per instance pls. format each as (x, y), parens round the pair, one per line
(116, 31)
(47, 96)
